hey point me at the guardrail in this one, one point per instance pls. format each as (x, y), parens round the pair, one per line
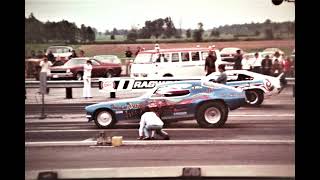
(117, 84)
(65, 84)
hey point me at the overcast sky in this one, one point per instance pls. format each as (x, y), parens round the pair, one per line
(124, 14)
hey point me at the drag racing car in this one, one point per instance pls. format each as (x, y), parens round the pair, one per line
(207, 102)
(255, 85)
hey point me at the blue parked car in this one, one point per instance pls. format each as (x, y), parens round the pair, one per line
(207, 102)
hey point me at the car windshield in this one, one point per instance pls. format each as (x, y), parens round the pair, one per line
(73, 62)
(107, 59)
(272, 49)
(58, 49)
(263, 54)
(250, 56)
(143, 58)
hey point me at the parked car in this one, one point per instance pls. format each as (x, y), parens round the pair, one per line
(254, 84)
(108, 59)
(73, 69)
(207, 102)
(61, 53)
(273, 50)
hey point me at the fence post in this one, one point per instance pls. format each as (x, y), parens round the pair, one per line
(68, 93)
(293, 91)
(43, 89)
(112, 94)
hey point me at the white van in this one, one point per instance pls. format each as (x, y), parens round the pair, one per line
(172, 62)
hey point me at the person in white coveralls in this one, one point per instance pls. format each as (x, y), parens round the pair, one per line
(87, 68)
(150, 124)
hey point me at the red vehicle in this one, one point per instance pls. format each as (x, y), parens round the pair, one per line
(73, 69)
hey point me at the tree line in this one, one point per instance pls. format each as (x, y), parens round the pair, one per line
(63, 31)
(37, 31)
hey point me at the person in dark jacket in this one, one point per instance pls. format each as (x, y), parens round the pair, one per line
(237, 60)
(51, 57)
(128, 53)
(138, 50)
(73, 55)
(266, 65)
(276, 68)
(209, 65)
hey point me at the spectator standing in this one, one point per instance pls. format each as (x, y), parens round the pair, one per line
(73, 55)
(256, 63)
(223, 76)
(237, 60)
(276, 68)
(151, 123)
(87, 68)
(266, 65)
(138, 50)
(246, 63)
(51, 57)
(210, 64)
(277, 56)
(287, 66)
(45, 64)
(128, 53)
(81, 54)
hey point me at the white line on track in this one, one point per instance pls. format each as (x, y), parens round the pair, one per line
(165, 142)
(127, 130)
(261, 115)
(83, 119)
(171, 171)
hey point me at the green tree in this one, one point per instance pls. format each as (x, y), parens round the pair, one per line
(215, 32)
(197, 34)
(169, 29)
(269, 34)
(257, 33)
(83, 33)
(188, 33)
(112, 37)
(132, 35)
(91, 35)
(115, 31)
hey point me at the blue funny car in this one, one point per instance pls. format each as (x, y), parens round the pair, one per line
(207, 102)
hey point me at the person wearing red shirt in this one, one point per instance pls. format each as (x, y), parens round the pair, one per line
(287, 66)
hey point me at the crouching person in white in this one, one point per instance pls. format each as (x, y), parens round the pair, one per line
(150, 124)
(87, 68)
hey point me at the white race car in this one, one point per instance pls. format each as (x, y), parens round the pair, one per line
(255, 85)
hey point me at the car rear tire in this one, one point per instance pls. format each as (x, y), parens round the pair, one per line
(254, 97)
(212, 115)
(104, 119)
(79, 76)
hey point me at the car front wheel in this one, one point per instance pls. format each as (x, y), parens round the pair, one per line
(212, 115)
(254, 97)
(104, 119)
(108, 74)
(79, 76)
